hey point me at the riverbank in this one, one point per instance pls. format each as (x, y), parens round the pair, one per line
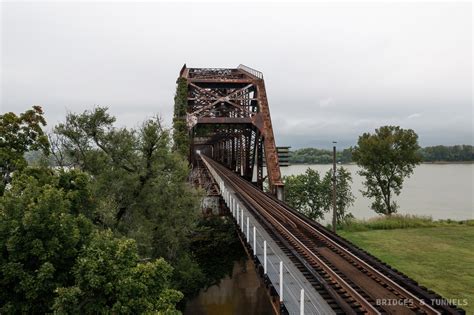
(398, 221)
(440, 257)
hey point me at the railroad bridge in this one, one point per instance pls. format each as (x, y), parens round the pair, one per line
(307, 268)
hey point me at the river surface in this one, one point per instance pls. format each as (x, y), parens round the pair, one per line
(239, 294)
(442, 191)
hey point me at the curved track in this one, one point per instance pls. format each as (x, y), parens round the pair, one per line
(354, 285)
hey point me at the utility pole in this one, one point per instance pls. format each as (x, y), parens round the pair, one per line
(334, 214)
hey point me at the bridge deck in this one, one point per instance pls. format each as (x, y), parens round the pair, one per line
(332, 272)
(293, 278)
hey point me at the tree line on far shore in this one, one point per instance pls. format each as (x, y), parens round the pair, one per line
(439, 153)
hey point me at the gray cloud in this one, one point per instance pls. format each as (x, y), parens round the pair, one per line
(332, 71)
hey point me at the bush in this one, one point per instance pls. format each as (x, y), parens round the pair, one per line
(398, 221)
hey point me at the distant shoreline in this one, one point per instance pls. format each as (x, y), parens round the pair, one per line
(353, 163)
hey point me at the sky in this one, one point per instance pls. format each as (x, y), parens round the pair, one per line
(333, 70)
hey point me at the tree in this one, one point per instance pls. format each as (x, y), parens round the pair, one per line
(40, 239)
(139, 184)
(386, 158)
(108, 278)
(344, 196)
(18, 135)
(312, 195)
(53, 258)
(304, 192)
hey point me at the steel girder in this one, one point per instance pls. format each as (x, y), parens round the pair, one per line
(228, 117)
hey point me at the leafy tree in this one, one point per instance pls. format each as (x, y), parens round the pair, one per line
(140, 186)
(18, 135)
(344, 196)
(312, 195)
(108, 277)
(48, 246)
(386, 158)
(40, 239)
(137, 175)
(305, 193)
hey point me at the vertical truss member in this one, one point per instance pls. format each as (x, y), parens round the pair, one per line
(228, 118)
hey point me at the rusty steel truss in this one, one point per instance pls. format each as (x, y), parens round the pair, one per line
(228, 118)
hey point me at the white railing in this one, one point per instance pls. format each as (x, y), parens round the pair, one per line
(253, 72)
(289, 287)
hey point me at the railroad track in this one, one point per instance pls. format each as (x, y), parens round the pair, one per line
(353, 281)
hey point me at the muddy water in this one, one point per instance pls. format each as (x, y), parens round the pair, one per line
(239, 294)
(442, 191)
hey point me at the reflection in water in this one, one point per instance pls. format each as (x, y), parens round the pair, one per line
(242, 293)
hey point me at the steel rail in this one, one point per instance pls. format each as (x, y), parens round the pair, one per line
(421, 304)
(367, 306)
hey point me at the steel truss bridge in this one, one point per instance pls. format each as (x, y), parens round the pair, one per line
(307, 268)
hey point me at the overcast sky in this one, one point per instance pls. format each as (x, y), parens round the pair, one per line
(332, 70)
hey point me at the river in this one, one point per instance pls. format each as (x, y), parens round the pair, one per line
(241, 294)
(442, 191)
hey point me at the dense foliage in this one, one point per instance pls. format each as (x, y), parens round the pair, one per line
(18, 135)
(108, 277)
(140, 184)
(54, 258)
(180, 130)
(91, 236)
(319, 156)
(40, 238)
(386, 157)
(439, 153)
(312, 195)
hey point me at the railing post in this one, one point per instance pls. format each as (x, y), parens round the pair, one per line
(248, 229)
(265, 257)
(242, 220)
(302, 302)
(237, 214)
(281, 281)
(254, 241)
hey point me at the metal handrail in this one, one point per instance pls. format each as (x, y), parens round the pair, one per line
(253, 72)
(291, 278)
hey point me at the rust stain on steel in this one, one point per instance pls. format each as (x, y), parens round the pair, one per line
(228, 112)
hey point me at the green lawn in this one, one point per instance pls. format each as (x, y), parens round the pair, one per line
(440, 258)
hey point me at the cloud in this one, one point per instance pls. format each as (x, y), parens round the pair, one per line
(349, 69)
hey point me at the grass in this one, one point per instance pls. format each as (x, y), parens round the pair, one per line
(398, 221)
(440, 257)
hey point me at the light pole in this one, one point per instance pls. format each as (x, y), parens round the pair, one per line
(334, 214)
